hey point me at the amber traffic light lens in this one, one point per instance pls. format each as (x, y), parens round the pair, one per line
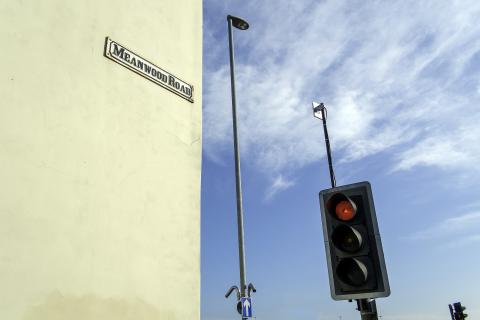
(347, 238)
(344, 210)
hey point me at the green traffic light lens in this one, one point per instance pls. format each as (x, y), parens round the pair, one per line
(352, 271)
(347, 238)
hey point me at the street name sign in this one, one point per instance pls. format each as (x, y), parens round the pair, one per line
(127, 58)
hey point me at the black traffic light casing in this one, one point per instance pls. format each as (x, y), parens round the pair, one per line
(356, 265)
(457, 306)
(239, 307)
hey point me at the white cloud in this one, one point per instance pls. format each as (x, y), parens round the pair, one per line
(445, 149)
(279, 184)
(391, 74)
(464, 241)
(456, 226)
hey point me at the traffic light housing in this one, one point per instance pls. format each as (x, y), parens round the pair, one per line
(239, 307)
(356, 265)
(459, 315)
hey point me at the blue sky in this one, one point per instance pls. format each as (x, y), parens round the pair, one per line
(401, 81)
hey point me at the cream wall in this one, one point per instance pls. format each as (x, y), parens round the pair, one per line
(99, 167)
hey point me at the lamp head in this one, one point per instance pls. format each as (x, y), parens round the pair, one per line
(317, 110)
(238, 22)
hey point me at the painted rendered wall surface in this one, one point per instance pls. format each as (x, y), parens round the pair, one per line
(99, 167)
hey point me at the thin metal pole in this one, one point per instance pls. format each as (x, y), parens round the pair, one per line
(241, 246)
(451, 312)
(368, 309)
(327, 143)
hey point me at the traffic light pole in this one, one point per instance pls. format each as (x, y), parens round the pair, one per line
(367, 307)
(451, 312)
(327, 144)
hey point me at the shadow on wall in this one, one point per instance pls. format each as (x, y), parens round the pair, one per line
(89, 307)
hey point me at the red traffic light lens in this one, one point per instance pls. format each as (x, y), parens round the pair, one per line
(345, 210)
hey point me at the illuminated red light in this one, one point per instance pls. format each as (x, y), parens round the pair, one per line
(345, 210)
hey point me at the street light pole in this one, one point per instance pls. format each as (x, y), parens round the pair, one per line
(243, 305)
(241, 245)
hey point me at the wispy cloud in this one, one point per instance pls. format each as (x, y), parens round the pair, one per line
(458, 226)
(464, 241)
(446, 149)
(279, 184)
(412, 86)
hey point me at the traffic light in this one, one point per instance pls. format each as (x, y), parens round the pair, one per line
(239, 307)
(356, 265)
(459, 315)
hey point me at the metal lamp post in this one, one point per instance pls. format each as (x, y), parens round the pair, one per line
(243, 291)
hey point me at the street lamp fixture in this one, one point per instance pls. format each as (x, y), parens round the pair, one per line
(238, 22)
(319, 110)
(243, 292)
